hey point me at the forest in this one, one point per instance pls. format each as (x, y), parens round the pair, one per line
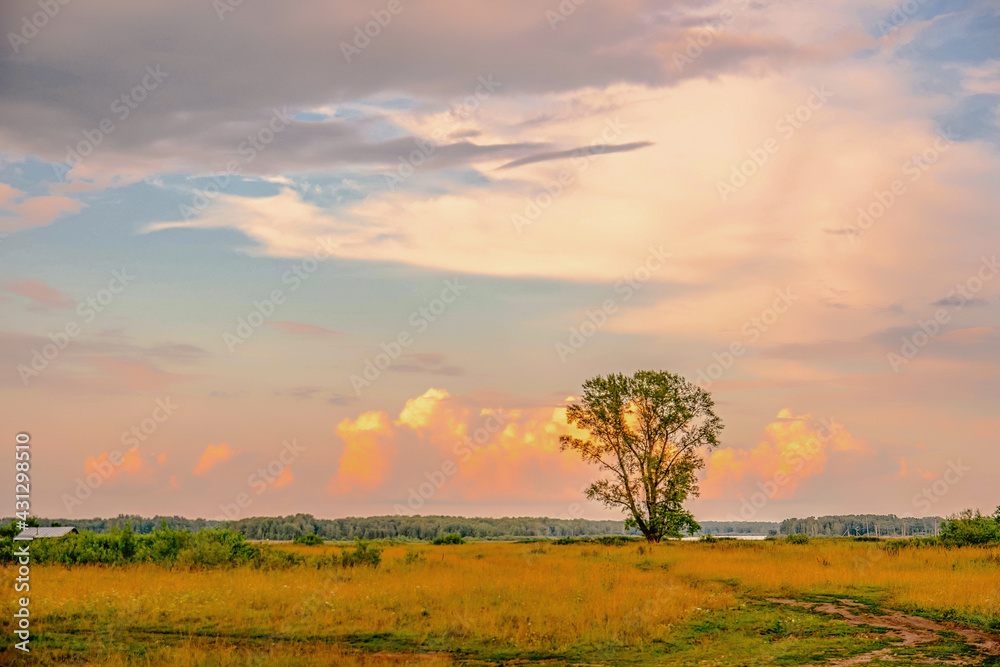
(853, 525)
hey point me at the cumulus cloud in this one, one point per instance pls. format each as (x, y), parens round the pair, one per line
(365, 459)
(212, 456)
(443, 447)
(131, 463)
(794, 447)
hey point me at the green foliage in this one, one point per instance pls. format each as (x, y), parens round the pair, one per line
(364, 554)
(649, 431)
(7, 534)
(797, 538)
(309, 540)
(708, 537)
(215, 547)
(450, 538)
(206, 548)
(968, 528)
(413, 557)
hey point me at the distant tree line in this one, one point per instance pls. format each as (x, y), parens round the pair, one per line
(406, 528)
(727, 528)
(420, 528)
(874, 525)
(428, 528)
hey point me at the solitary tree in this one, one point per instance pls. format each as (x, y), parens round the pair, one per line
(649, 431)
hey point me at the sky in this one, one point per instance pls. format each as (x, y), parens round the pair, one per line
(357, 258)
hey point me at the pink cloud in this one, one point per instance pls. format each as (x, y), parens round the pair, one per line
(35, 211)
(41, 292)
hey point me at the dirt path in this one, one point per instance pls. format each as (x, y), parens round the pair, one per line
(913, 630)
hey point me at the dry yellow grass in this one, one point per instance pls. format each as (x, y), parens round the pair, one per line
(503, 593)
(490, 596)
(933, 578)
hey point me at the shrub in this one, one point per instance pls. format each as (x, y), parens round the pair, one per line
(708, 537)
(309, 540)
(363, 554)
(798, 538)
(971, 528)
(450, 538)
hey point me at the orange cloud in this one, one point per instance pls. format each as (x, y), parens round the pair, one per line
(461, 450)
(794, 447)
(285, 478)
(103, 464)
(212, 455)
(366, 455)
(418, 412)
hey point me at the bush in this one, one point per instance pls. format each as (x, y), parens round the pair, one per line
(206, 548)
(708, 537)
(309, 540)
(363, 554)
(968, 528)
(797, 538)
(450, 538)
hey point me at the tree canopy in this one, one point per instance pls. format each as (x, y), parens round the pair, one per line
(649, 431)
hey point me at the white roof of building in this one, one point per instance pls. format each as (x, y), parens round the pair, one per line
(58, 531)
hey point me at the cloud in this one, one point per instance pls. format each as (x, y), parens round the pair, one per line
(795, 447)
(31, 211)
(105, 364)
(576, 152)
(365, 459)
(284, 478)
(300, 392)
(41, 292)
(960, 301)
(131, 463)
(464, 449)
(213, 455)
(221, 82)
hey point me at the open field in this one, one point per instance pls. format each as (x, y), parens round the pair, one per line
(724, 603)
